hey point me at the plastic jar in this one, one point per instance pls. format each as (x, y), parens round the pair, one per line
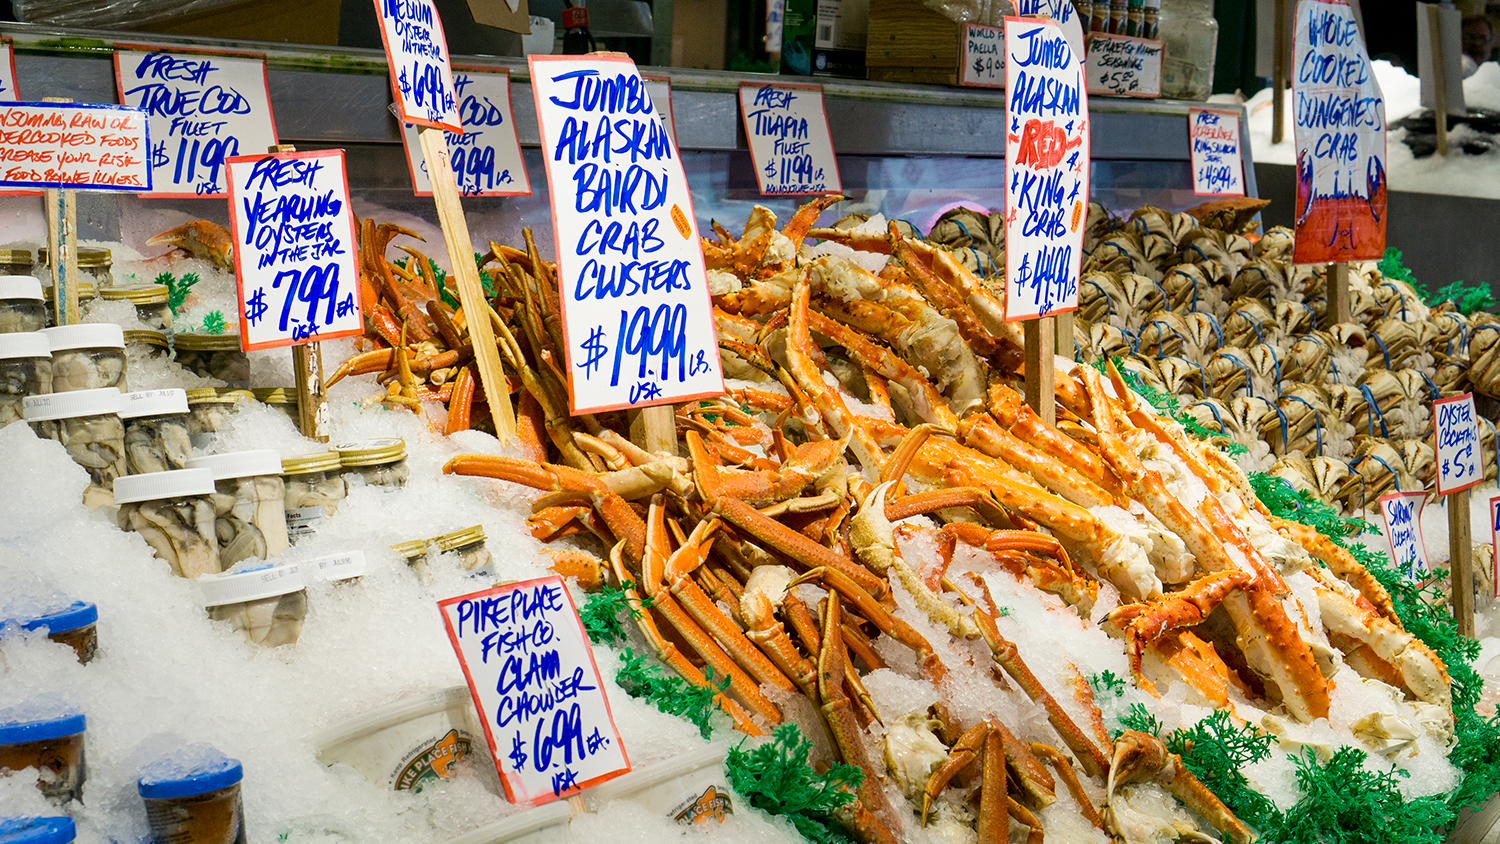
(22, 307)
(314, 488)
(174, 513)
(73, 626)
(150, 300)
(46, 735)
(350, 565)
(468, 544)
(95, 265)
(37, 830)
(415, 555)
(16, 262)
(267, 604)
(381, 462)
(209, 409)
(25, 370)
(88, 356)
(249, 503)
(214, 356)
(283, 399)
(409, 744)
(147, 344)
(87, 423)
(156, 431)
(87, 293)
(1191, 34)
(202, 807)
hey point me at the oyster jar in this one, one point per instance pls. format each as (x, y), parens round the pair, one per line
(156, 431)
(146, 344)
(22, 307)
(249, 504)
(314, 488)
(174, 513)
(15, 262)
(45, 734)
(188, 803)
(267, 604)
(86, 293)
(381, 462)
(95, 265)
(283, 399)
(73, 625)
(150, 300)
(49, 830)
(468, 544)
(209, 409)
(214, 356)
(25, 370)
(88, 356)
(87, 423)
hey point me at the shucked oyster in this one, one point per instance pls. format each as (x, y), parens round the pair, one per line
(180, 530)
(88, 369)
(269, 621)
(250, 518)
(156, 444)
(97, 443)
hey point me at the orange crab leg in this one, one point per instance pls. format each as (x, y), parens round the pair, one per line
(461, 406)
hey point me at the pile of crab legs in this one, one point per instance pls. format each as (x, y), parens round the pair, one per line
(709, 545)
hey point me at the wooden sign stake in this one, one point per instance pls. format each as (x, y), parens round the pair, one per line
(654, 428)
(470, 293)
(1041, 346)
(62, 245)
(1461, 561)
(1280, 62)
(307, 364)
(1337, 291)
(1065, 343)
(1439, 78)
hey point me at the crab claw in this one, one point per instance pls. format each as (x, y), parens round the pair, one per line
(202, 239)
(871, 533)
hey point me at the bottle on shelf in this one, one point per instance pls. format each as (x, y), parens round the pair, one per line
(576, 38)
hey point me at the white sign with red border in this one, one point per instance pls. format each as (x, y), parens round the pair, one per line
(487, 156)
(1214, 136)
(294, 248)
(1124, 66)
(534, 681)
(1402, 514)
(204, 108)
(83, 146)
(787, 128)
(981, 59)
(421, 73)
(660, 88)
(10, 92)
(1456, 432)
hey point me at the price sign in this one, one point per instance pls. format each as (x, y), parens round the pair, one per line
(1339, 125)
(1061, 11)
(1402, 513)
(74, 145)
(981, 62)
(1456, 429)
(1122, 66)
(294, 248)
(421, 77)
(204, 109)
(9, 90)
(660, 89)
(487, 156)
(1047, 170)
(1495, 545)
(533, 678)
(789, 140)
(636, 312)
(1214, 137)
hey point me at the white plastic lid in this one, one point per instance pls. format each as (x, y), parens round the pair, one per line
(88, 335)
(103, 401)
(238, 464)
(349, 564)
(522, 826)
(390, 715)
(20, 287)
(25, 344)
(237, 588)
(153, 486)
(153, 403)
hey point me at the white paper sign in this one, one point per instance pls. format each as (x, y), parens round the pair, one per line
(1449, 27)
(660, 89)
(1214, 137)
(1047, 170)
(421, 76)
(775, 17)
(294, 248)
(1122, 66)
(982, 60)
(1495, 544)
(532, 674)
(636, 313)
(1061, 11)
(487, 156)
(1456, 427)
(75, 145)
(204, 109)
(9, 90)
(1402, 513)
(789, 140)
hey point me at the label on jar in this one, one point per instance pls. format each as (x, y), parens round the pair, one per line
(432, 762)
(714, 804)
(302, 522)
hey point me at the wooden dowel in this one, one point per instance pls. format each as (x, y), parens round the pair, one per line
(1337, 283)
(1439, 77)
(1065, 344)
(1041, 391)
(1280, 64)
(62, 247)
(1461, 561)
(654, 428)
(307, 366)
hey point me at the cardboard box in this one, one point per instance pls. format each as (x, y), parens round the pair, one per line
(825, 37)
(911, 43)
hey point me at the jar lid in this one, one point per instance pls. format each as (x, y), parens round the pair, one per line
(153, 403)
(371, 452)
(460, 538)
(199, 342)
(37, 830)
(349, 564)
(266, 582)
(88, 256)
(217, 395)
(239, 464)
(154, 486)
(15, 256)
(80, 614)
(20, 287)
(103, 401)
(411, 550)
(25, 344)
(39, 720)
(140, 294)
(276, 395)
(302, 464)
(223, 774)
(89, 335)
(147, 336)
(86, 290)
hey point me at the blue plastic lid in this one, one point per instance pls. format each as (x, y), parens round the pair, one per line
(224, 774)
(36, 831)
(18, 725)
(80, 614)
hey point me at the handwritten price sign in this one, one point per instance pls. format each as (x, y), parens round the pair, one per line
(1047, 170)
(789, 141)
(660, 89)
(487, 156)
(1402, 513)
(1121, 66)
(1339, 116)
(421, 77)
(204, 109)
(1214, 136)
(981, 62)
(635, 304)
(533, 678)
(294, 248)
(1456, 428)
(80, 146)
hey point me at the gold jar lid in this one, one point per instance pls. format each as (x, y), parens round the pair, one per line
(276, 395)
(217, 395)
(140, 294)
(371, 452)
(88, 256)
(149, 337)
(460, 538)
(15, 257)
(199, 342)
(413, 550)
(303, 464)
(86, 290)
